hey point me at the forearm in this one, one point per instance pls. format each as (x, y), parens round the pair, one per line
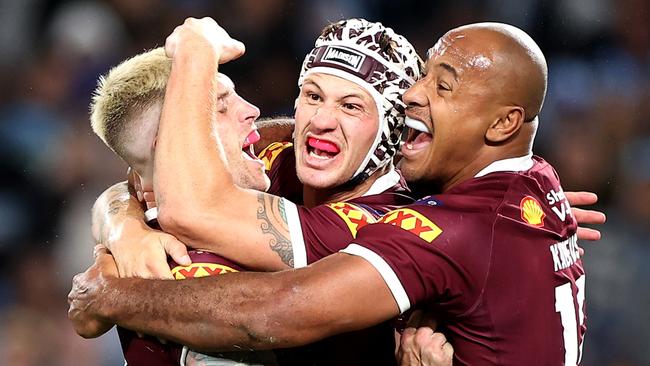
(277, 129)
(251, 310)
(111, 209)
(189, 164)
(201, 313)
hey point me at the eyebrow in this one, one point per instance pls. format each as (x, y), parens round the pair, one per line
(449, 68)
(224, 94)
(311, 82)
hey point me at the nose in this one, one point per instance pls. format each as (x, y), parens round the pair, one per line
(250, 112)
(324, 118)
(416, 95)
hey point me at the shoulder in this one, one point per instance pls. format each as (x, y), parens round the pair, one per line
(271, 153)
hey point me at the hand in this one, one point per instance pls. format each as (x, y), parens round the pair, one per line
(585, 216)
(195, 35)
(82, 297)
(424, 347)
(141, 251)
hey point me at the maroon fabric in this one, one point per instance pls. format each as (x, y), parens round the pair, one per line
(492, 273)
(284, 180)
(147, 350)
(325, 232)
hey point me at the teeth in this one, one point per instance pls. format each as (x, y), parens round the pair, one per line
(416, 125)
(409, 146)
(315, 154)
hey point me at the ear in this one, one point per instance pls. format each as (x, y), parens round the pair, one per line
(505, 126)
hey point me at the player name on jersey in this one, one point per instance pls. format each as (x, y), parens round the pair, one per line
(565, 253)
(559, 204)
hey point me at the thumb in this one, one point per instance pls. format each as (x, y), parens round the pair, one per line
(178, 251)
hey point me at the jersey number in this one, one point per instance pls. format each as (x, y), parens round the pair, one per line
(564, 305)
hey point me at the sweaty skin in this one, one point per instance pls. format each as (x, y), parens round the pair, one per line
(341, 292)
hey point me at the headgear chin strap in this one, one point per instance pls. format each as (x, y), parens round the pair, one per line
(352, 49)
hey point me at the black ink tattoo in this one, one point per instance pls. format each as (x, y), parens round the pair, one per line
(271, 211)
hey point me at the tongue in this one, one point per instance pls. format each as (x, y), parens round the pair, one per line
(422, 137)
(323, 145)
(252, 138)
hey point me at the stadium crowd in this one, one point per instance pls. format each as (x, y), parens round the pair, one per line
(594, 131)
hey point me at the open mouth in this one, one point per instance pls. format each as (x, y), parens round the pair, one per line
(321, 149)
(419, 135)
(247, 146)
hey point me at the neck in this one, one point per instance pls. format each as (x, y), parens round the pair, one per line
(484, 159)
(314, 197)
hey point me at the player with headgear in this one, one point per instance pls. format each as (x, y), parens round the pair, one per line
(493, 252)
(324, 149)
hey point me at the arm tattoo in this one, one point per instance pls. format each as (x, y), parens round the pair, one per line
(271, 213)
(115, 206)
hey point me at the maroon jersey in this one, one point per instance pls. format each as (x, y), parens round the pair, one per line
(325, 229)
(280, 164)
(497, 257)
(149, 350)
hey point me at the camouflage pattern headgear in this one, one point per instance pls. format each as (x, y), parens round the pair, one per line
(352, 49)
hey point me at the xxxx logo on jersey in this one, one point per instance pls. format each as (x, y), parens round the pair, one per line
(414, 222)
(354, 216)
(200, 270)
(531, 211)
(271, 152)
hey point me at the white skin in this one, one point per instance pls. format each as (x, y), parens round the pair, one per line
(344, 117)
(384, 307)
(249, 173)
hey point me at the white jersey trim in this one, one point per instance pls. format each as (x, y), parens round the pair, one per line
(295, 232)
(384, 183)
(386, 272)
(519, 164)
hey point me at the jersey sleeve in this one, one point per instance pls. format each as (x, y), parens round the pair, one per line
(280, 164)
(325, 229)
(419, 257)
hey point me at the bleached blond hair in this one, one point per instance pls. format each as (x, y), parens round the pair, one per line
(127, 90)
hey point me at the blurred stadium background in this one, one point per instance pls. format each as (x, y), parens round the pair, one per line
(595, 130)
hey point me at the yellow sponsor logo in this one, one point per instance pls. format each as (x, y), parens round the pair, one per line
(532, 212)
(414, 222)
(200, 270)
(354, 216)
(271, 152)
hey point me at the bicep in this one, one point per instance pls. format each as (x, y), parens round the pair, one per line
(248, 227)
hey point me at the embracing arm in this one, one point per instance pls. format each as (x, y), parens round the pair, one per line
(276, 129)
(240, 310)
(197, 199)
(140, 251)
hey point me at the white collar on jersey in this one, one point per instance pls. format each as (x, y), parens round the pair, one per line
(151, 214)
(519, 164)
(384, 182)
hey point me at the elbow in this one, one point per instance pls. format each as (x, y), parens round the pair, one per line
(284, 322)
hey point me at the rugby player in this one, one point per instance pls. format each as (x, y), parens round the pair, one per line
(362, 175)
(380, 276)
(376, 203)
(125, 114)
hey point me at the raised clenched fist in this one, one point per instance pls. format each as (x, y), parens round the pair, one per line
(197, 35)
